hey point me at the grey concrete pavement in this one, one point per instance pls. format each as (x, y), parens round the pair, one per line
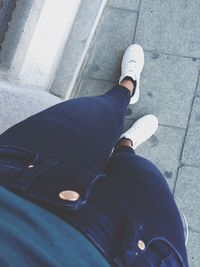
(124, 4)
(112, 40)
(169, 32)
(171, 26)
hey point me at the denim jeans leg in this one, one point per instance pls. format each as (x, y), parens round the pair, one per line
(143, 180)
(89, 124)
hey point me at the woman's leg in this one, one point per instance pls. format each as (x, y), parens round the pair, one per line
(90, 124)
(147, 190)
(148, 183)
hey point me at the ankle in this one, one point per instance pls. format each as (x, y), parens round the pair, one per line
(125, 142)
(129, 84)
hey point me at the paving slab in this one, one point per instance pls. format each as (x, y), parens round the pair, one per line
(191, 150)
(114, 35)
(187, 192)
(92, 87)
(163, 149)
(170, 26)
(124, 4)
(193, 249)
(164, 89)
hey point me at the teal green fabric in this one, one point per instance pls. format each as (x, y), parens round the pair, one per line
(31, 236)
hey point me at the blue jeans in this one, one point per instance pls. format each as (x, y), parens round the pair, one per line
(124, 199)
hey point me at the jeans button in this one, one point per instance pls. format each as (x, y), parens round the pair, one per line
(141, 245)
(69, 195)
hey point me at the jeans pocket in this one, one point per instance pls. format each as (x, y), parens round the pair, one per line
(19, 167)
(14, 161)
(39, 178)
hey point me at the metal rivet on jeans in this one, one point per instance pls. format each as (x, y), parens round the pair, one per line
(69, 195)
(141, 245)
(30, 166)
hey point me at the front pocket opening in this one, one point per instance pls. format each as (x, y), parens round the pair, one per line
(16, 157)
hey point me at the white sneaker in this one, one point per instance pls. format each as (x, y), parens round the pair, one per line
(141, 130)
(132, 65)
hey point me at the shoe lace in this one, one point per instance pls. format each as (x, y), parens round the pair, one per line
(130, 66)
